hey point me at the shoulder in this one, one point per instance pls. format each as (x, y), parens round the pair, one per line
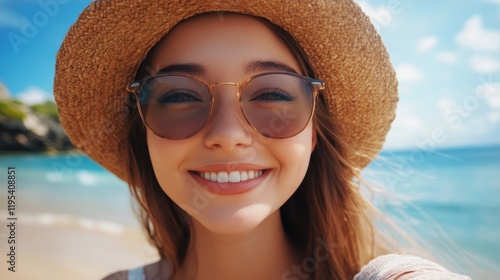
(120, 275)
(154, 271)
(402, 267)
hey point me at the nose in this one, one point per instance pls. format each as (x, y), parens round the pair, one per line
(227, 128)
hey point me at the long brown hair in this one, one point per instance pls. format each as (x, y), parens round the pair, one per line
(327, 209)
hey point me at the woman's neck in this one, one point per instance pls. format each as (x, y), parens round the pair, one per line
(263, 253)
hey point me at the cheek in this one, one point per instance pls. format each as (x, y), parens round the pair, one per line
(293, 155)
(158, 148)
(166, 158)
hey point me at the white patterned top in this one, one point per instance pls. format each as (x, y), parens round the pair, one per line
(387, 267)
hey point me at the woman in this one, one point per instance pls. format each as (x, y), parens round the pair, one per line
(239, 128)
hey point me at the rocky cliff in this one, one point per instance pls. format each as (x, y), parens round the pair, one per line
(30, 128)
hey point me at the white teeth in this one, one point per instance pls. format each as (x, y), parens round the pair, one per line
(233, 176)
(222, 177)
(244, 176)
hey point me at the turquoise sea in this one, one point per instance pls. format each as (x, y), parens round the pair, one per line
(451, 199)
(452, 196)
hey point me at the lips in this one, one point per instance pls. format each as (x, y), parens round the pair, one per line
(232, 177)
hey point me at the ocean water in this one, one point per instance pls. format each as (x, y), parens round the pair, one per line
(68, 184)
(452, 197)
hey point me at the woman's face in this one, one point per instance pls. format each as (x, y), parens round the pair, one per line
(226, 46)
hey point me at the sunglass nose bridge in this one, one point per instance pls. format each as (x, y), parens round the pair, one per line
(237, 85)
(224, 84)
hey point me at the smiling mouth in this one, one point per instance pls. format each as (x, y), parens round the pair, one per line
(231, 177)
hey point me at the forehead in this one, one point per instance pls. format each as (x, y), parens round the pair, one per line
(221, 42)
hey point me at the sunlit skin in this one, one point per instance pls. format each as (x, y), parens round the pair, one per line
(234, 236)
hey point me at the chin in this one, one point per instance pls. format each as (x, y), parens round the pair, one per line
(226, 222)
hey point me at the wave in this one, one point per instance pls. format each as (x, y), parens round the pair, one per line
(51, 219)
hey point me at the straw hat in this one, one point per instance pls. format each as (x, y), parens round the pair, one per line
(103, 49)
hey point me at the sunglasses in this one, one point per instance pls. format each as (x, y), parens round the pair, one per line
(276, 104)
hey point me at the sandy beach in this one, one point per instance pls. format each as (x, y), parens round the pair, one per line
(54, 246)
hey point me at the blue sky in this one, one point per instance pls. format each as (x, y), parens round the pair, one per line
(446, 54)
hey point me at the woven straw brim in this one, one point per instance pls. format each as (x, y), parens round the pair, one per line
(103, 49)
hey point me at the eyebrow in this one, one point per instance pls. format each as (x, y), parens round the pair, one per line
(268, 65)
(188, 68)
(252, 67)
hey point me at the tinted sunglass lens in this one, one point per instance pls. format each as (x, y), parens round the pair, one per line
(175, 107)
(278, 105)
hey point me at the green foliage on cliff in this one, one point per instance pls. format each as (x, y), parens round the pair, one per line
(11, 109)
(16, 110)
(48, 108)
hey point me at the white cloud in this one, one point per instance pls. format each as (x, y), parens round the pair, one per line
(9, 19)
(426, 44)
(86, 178)
(405, 130)
(379, 16)
(447, 57)
(484, 64)
(474, 128)
(33, 95)
(490, 92)
(494, 101)
(493, 98)
(410, 122)
(445, 103)
(409, 73)
(494, 117)
(476, 37)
